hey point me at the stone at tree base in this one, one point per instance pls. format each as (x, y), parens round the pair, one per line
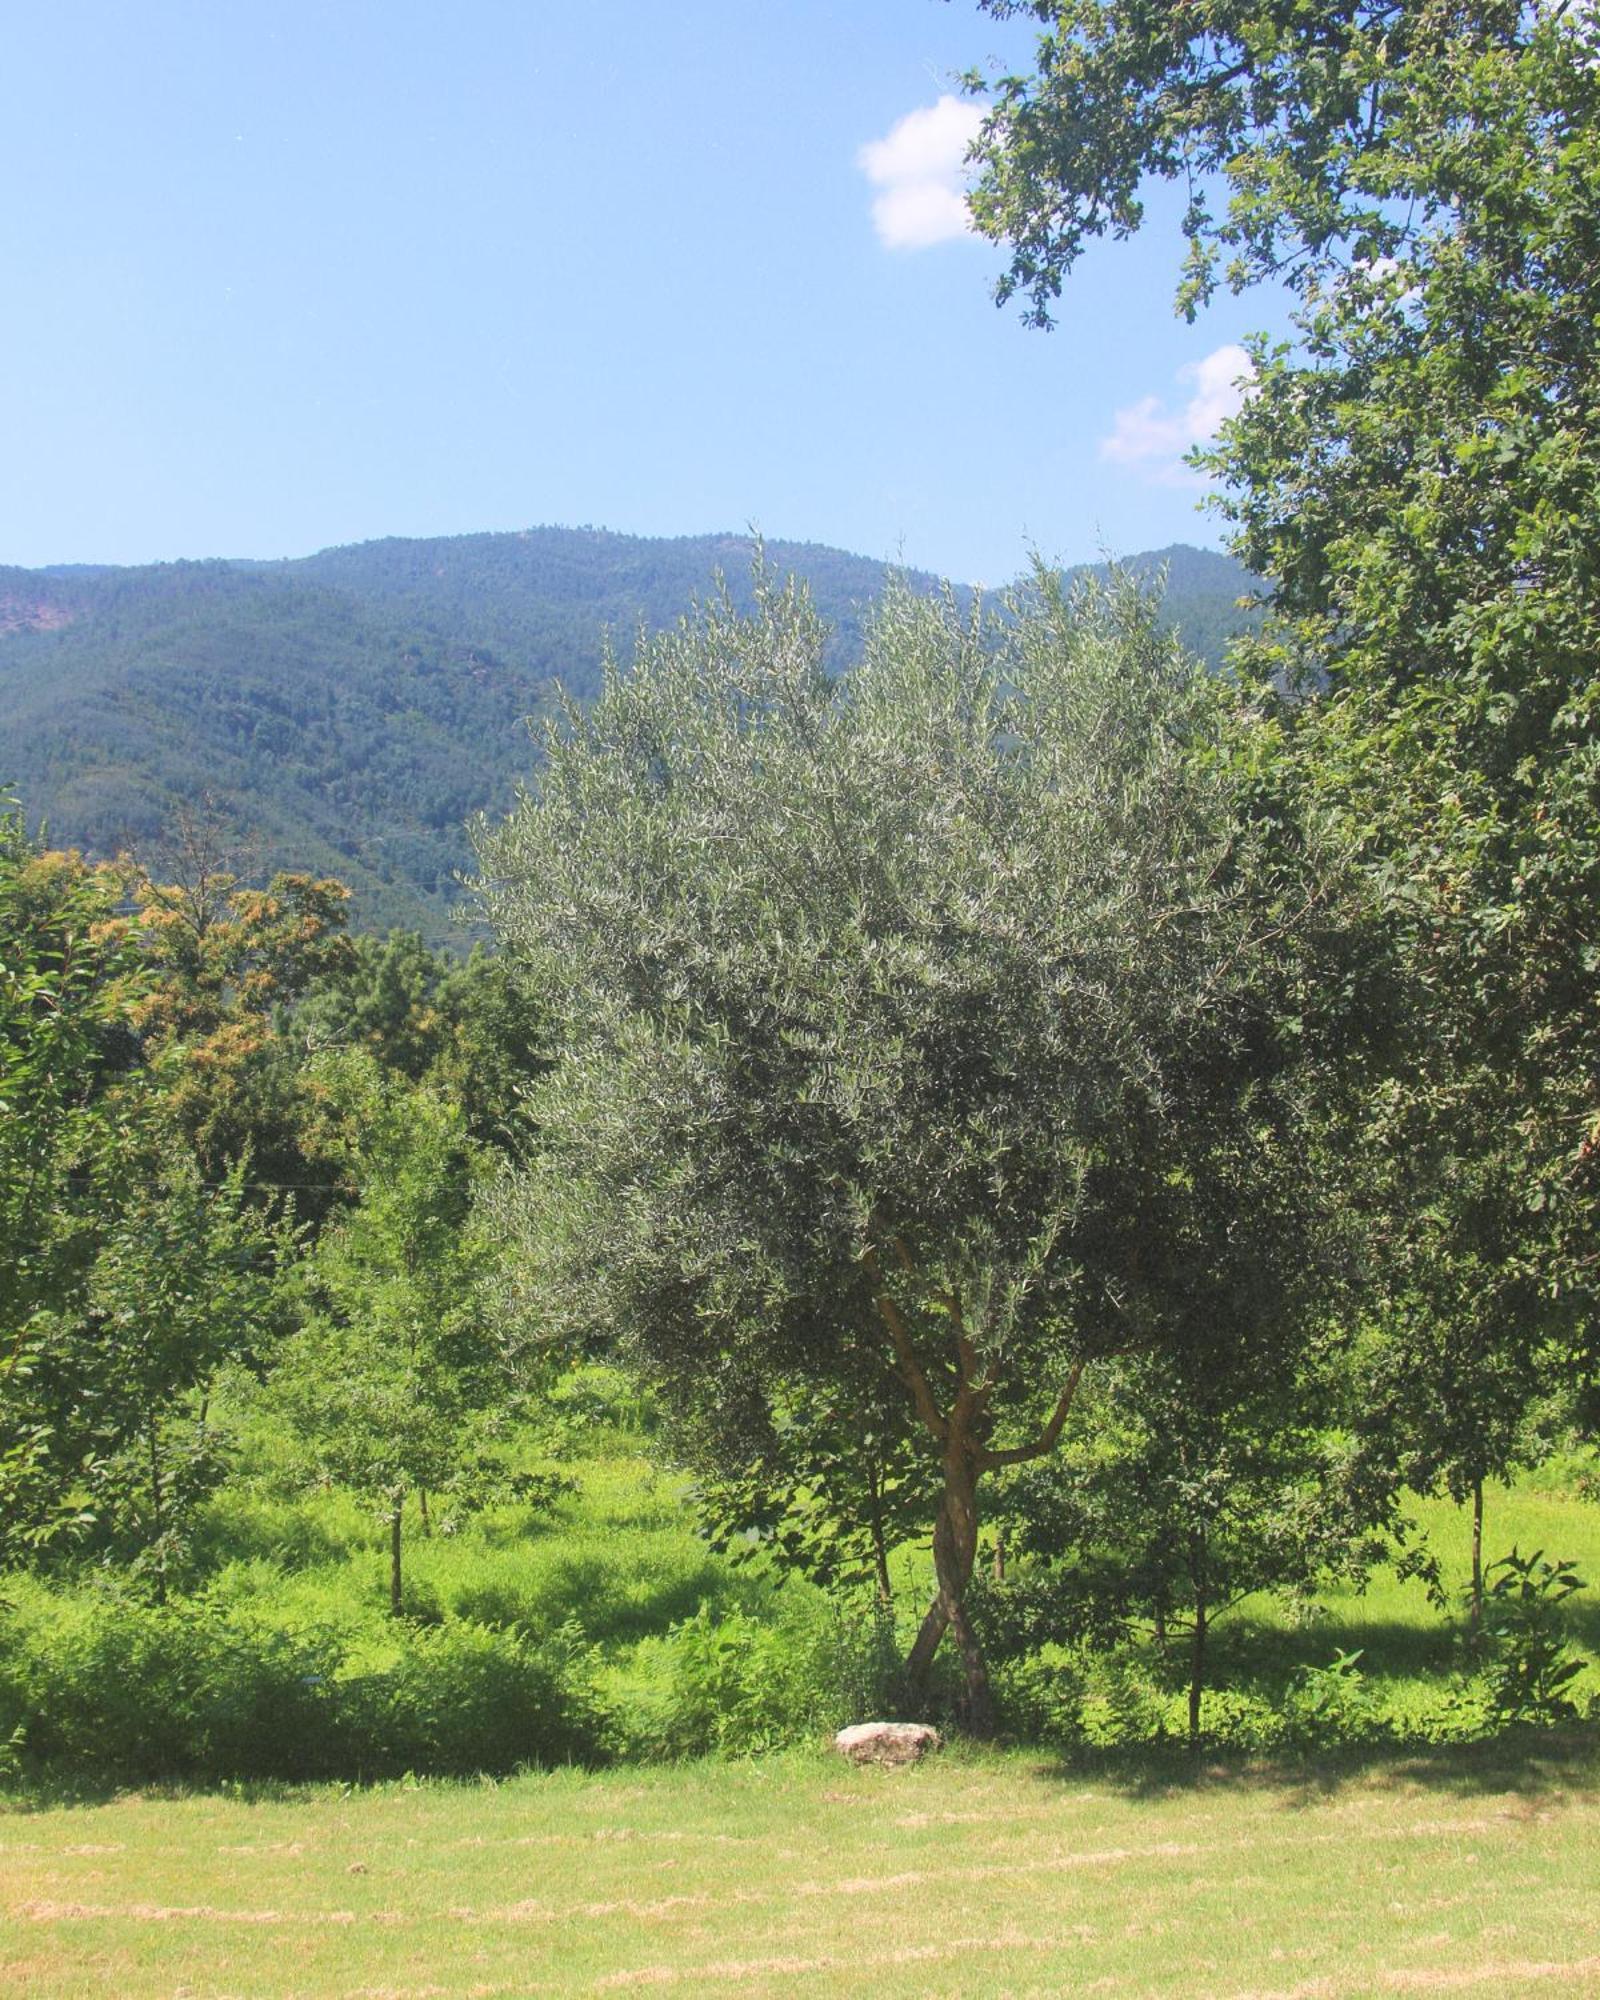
(886, 1742)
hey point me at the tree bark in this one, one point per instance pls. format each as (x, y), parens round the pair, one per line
(955, 1552)
(422, 1502)
(919, 1661)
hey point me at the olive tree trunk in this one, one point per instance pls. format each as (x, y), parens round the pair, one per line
(961, 1430)
(955, 1551)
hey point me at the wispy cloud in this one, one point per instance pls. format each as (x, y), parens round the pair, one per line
(919, 170)
(1152, 437)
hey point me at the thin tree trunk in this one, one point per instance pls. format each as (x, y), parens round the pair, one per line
(1477, 1557)
(422, 1499)
(394, 1558)
(1197, 1650)
(1161, 1622)
(157, 1511)
(999, 1560)
(880, 1548)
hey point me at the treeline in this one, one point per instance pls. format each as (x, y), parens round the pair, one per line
(967, 1097)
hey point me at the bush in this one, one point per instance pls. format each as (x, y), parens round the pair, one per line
(459, 1698)
(1330, 1705)
(142, 1690)
(1123, 1700)
(1040, 1699)
(226, 1690)
(1230, 1719)
(1524, 1618)
(730, 1683)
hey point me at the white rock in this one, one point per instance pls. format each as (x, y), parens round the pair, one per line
(886, 1742)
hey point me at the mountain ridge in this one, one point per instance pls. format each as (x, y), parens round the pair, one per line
(351, 709)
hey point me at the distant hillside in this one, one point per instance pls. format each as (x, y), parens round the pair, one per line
(351, 709)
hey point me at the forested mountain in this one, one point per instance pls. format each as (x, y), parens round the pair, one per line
(349, 710)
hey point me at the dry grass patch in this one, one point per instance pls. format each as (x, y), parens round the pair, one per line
(1465, 1871)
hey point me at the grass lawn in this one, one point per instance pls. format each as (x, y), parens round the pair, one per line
(1470, 1871)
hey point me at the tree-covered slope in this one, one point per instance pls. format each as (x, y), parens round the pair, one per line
(351, 709)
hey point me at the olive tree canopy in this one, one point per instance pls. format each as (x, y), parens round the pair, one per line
(923, 1031)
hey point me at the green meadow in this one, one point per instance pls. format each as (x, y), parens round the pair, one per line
(1460, 1870)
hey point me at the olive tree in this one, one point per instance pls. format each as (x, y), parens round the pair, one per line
(925, 1033)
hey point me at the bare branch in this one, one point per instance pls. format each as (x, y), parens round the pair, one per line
(1019, 1454)
(907, 1365)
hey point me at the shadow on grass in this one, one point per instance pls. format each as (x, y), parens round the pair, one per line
(1249, 1652)
(1527, 1762)
(293, 1540)
(610, 1605)
(1530, 1765)
(515, 1527)
(41, 1788)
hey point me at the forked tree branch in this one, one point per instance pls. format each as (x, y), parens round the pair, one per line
(910, 1369)
(1019, 1454)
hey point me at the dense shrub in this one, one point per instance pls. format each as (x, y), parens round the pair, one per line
(734, 1683)
(1114, 1697)
(1532, 1669)
(145, 1690)
(209, 1689)
(460, 1697)
(1330, 1704)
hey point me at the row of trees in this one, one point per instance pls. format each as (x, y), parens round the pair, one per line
(942, 1083)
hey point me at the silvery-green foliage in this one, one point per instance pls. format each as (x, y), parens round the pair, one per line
(966, 955)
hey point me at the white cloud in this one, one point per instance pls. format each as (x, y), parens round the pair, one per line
(919, 170)
(1153, 438)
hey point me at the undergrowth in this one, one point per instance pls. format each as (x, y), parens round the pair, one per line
(589, 1624)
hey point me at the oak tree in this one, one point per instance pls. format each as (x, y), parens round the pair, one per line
(1414, 477)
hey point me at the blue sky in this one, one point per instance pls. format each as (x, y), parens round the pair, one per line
(280, 276)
